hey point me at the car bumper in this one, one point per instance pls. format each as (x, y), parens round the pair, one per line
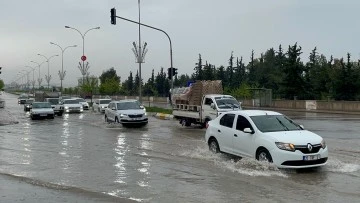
(73, 110)
(288, 159)
(133, 121)
(43, 115)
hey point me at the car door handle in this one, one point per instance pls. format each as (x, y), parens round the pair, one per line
(219, 131)
(235, 135)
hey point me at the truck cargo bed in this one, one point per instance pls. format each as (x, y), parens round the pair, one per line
(186, 114)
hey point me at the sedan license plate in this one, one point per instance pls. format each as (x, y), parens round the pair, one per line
(311, 157)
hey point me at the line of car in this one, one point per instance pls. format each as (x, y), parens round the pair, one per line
(263, 135)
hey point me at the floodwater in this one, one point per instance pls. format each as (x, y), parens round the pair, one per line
(165, 162)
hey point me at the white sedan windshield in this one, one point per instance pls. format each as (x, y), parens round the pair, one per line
(274, 123)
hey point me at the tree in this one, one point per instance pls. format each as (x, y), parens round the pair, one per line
(1, 84)
(90, 85)
(293, 83)
(198, 75)
(110, 82)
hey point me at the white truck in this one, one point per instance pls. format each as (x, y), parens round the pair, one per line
(204, 102)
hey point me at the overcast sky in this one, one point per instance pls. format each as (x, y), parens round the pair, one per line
(211, 28)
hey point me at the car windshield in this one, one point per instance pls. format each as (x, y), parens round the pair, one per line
(81, 100)
(39, 105)
(53, 101)
(128, 105)
(274, 123)
(71, 101)
(105, 101)
(227, 102)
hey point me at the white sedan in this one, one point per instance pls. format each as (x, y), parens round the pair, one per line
(41, 110)
(266, 136)
(127, 112)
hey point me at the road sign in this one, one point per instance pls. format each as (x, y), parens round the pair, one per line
(83, 58)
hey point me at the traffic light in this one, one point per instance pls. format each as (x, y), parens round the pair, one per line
(169, 73)
(0, 69)
(174, 71)
(113, 16)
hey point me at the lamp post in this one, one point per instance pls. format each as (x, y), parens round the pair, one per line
(27, 84)
(48, 76)
(83, 39)
(62, 73)
(33, 80)
(39, 78)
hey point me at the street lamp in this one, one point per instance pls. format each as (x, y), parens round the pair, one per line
(48, 77)
(62, 72)
(39, 78)
(33, 80)
(83, 38)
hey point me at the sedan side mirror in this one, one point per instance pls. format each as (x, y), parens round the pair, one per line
(113, 108)
(212, 105)
(248, 130)
(302, 127)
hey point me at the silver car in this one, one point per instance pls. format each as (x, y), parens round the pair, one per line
(41, 110)
(127, 112)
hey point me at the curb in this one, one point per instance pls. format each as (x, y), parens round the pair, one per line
(164, 116)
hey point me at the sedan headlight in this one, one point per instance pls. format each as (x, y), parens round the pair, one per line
(145, 114)
(323, 144)
(285, 146)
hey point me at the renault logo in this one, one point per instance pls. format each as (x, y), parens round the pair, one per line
(310, 147)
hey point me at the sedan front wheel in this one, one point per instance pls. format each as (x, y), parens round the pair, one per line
(264, 155)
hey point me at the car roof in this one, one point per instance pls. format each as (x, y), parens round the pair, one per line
(125, 100)
(68, 99)
(218, 95)
(255, 112)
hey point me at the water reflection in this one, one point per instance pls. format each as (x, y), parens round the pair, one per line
(144, 168)
(65, 145)
(26, 156)
(120, 165)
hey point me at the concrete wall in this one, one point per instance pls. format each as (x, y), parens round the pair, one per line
(349, 106)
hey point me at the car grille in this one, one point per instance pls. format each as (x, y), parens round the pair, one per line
(304, 149)
(136, 116)
(304, 163)
(74, 108)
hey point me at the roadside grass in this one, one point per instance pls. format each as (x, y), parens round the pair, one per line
(158, 110)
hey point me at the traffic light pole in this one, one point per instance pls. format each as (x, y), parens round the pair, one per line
(171, 57)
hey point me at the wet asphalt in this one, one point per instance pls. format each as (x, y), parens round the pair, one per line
(81, 157)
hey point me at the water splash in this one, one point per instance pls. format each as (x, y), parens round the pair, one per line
(335, 165)
(246, 166)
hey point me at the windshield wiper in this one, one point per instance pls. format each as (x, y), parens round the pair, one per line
(286, 128)
(226, 104)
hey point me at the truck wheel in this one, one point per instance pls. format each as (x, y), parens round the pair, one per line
(187, 123)
(205, 123)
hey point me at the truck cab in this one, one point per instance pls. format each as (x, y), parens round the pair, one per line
(215, 104)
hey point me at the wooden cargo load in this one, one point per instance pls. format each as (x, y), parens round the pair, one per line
(192, 95)
(201, 88)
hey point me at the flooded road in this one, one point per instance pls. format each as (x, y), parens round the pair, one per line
(165, 162)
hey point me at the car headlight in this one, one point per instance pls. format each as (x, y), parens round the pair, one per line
(145, 114)
(66, 107)
(323, 144)
(285, 146)
(81, 107)
(123, 115)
